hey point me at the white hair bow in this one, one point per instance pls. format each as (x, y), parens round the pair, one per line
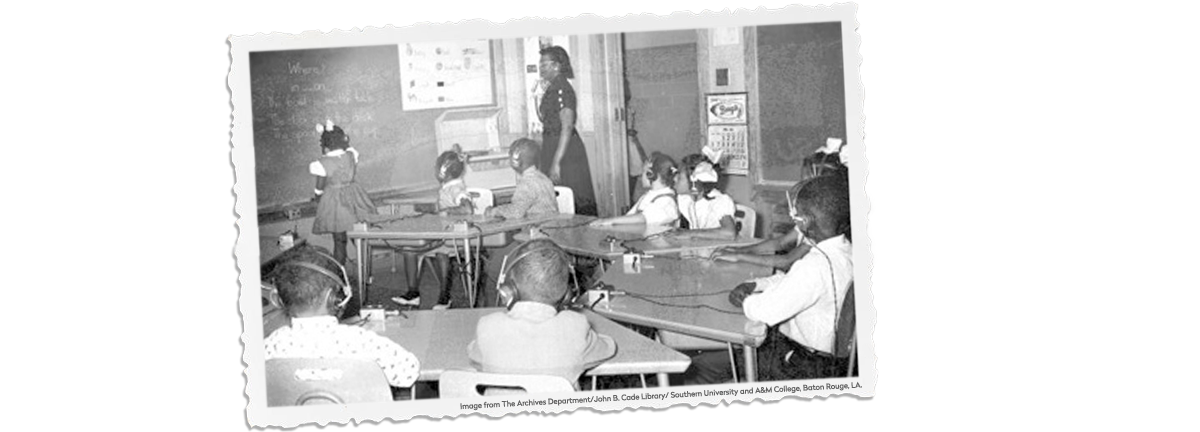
(713, 155)
(327, 127)
(832, 145)
(704, 172)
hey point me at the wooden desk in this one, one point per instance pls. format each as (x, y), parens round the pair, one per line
(439, 339)
(702, 311)
(595, 242)
(424, 229)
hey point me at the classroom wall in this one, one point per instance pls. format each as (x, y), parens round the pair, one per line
(663, 89)
(711, 57)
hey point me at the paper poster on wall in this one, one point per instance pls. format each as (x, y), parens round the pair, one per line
(726, 108)
(446, 74)
(731, 140)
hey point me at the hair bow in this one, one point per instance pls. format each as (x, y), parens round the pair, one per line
(704, 172)
(327, 127)
(712, 154)
(832, 145)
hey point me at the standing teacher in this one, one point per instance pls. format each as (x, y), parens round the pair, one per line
(563, 156)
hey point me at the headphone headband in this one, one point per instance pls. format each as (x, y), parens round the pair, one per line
(505, 267)
(344, 280)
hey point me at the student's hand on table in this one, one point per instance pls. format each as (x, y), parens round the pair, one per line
(726, 255)
(739, 293)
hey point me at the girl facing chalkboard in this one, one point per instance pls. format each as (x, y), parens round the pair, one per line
(341, 202)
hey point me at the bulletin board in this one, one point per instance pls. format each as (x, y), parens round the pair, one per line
(446, 75)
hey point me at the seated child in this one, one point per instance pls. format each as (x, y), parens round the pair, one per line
(313, 288)
(800, 307)
(657, 206)
(708, 212)
(781, 251)
(536, 336)
(534, 195)
(453, 199)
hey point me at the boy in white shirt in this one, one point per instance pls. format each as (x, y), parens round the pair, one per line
(801, 306)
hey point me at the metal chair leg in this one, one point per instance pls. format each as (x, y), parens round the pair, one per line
(853, 355)
(733, 363)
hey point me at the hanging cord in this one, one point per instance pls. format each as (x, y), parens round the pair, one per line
(837, 310)
(699, 306)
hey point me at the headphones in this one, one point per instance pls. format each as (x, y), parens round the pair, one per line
(795, 214)
(344, 279)
(506, 287)
(801, 220)
(521, 158)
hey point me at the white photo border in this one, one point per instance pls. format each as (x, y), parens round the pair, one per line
(247, 253)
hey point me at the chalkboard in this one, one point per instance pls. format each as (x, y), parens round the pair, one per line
(356, 87)
(802, 94)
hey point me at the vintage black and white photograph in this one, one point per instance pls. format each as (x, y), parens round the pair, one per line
(651, 213)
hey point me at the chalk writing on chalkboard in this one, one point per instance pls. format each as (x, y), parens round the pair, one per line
(358, 88)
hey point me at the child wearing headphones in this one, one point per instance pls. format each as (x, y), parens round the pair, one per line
(341, 202)
(800, 307)
(449, 169)
(313, 288)
(657, 206)
(536, 336)
(534, 195)
(781, 251)
(708, 211)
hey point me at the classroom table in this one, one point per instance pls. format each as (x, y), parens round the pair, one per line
(421, 230)
(439, 339)
(692, 300)
(610, 242)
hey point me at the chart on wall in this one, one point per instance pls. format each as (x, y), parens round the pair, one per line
(446, 74)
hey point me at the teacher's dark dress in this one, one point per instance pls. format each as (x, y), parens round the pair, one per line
(574, 171)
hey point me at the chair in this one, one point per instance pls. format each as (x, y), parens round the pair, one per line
(462, 384)
(304, 381)
(844, 335)
(481, 198)
(746, 220)
(566, 199)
